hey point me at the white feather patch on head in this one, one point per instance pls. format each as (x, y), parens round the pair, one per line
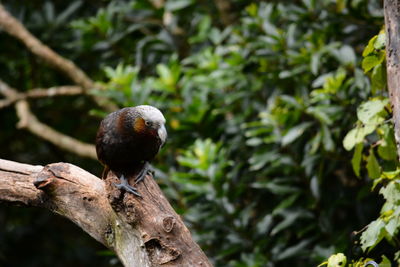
(150, 113)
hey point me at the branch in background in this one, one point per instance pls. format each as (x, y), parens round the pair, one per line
(225, 11)
(13, 27)
(41, 93)
(16, 29)
(392, 25)
(157, 3)
(28, 120)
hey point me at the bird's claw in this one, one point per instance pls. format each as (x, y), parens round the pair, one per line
(151, 172)
(124, 185)
(146, 170)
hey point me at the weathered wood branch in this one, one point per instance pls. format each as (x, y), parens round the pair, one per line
(42, 93)
(392, 27)
(15, 28)
(142, 231)
(27, 120)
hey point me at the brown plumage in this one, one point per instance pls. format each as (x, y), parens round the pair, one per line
(128, 139)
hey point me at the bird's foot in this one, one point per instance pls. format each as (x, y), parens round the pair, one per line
(143, 172)
(124, 185)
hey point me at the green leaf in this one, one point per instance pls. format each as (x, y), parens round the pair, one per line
(295, 133)
(320, 114)
(252, 9)
(337, 260)
(290, 218)
(391, 174)
(387, 152)
(357, 135)
(356, 160)
(380, 42)
(174, 5)
(373, 168)
(346, 55)
(378, 78)
(370, 47)
(392, 225)
(258, 161)
(391, 192)
(315, 62)
(385, 262)
(373, 235)
(294, 250)
(163, 71)
(367, 111)
(328, 143)
(369, 62)
(387, 149)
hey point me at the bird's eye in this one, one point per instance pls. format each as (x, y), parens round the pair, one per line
(148, 123)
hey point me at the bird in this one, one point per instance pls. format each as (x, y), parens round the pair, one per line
(128, 140)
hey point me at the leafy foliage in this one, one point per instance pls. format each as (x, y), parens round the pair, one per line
(261, 116)
(377, 134)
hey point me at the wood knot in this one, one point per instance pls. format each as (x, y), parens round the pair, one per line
(49, 174)
(168, 223)
(43, 180)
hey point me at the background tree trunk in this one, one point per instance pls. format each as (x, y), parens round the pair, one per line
(392, 27)
(142, 231)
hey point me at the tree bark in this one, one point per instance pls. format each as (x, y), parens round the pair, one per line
(142, 231)
(392, 27)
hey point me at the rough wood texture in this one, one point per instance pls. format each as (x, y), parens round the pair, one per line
(142, 231)
(392, 26)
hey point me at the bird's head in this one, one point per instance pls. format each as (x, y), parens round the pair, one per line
(149, 120)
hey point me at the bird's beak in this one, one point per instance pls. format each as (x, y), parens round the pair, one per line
(162, 133)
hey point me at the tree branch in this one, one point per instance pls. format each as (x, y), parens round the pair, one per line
(142, 231)
(41, 93)
(28, 120)
(392, 26)
(225, 11)
(13, 27)
(16, 29)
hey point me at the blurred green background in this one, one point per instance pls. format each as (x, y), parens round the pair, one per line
(258, 97)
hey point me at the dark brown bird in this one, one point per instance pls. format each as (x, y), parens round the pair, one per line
(127, 140)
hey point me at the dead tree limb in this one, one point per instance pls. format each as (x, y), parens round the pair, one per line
(28, 121)
(142, 231)
(392, 26)
(15, 28)
(42, 93)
